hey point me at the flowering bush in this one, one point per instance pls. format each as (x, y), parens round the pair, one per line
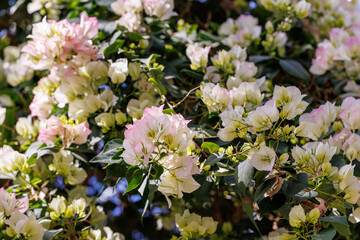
(163, 119)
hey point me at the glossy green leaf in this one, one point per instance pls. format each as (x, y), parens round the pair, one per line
(107, 154)
(159, 85)
(213, 158)
(249, 211)
(114, 48)
(263, 188)
(116, 170)
(297, 183)
(295, 69)
(257, 58)
(326, 234)
(192, 74)
(134, 177)
(339, 223)
(243, 174)
(49, 234)
(210, 147)
(157, 170)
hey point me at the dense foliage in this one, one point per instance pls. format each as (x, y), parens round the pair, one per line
(163, 119)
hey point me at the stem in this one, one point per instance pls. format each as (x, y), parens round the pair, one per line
(185, 96)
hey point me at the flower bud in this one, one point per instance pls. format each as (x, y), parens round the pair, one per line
(302, 9)
(197, 55)
(326, 168)
(120, 118)
(284, 157)
(268, 4)
(282, 4)
(338, 126)
(285, 26)
(11, 53)
(143, 43)
(10, 232)
(313, 216)
(227, 228)
(118, 70)
(69, 212)
(96, 69)
(229, 150)
(297, 216)
(286, 236)
(25, 128)
(106, 121)
(269, 26)
(134, 70)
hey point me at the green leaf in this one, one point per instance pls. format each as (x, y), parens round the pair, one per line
(263, 188)
(260, 176)
(295, 68)
(206, 183)
(258, 58)
(132, 36)
(243, 174)
(107, 154)
(210, 147)
(51, 233)
(326, 191)
(116, 170)
(213, 158)
(152, 190)
(33, 148)
(159, 85)
(209, 37)
(340, 205)
(297, 183)
(5, 134)
(158, 171)
(32, 160)
(134, 177)
(192, 74)
(304, 195)
(249, 212)
(169, 111)
(270, 204)
(339, 223)
(114, 48)
(326, 234)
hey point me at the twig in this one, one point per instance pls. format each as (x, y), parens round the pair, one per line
(185, 96)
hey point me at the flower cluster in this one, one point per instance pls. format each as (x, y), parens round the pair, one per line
(63, 165)
(230, 69)
(340, 53)
(192, 225)
(162, 139)
(288, 10)
(12, 161)
(17, 223)
(53, 43)
(68, 133)
(242, 31)
(331, 14)
(74, 79)
(105, 114)
(131, 11)
(10, 66)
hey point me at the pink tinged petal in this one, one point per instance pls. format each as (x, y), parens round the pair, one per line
(81, 132)
(23, 204)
